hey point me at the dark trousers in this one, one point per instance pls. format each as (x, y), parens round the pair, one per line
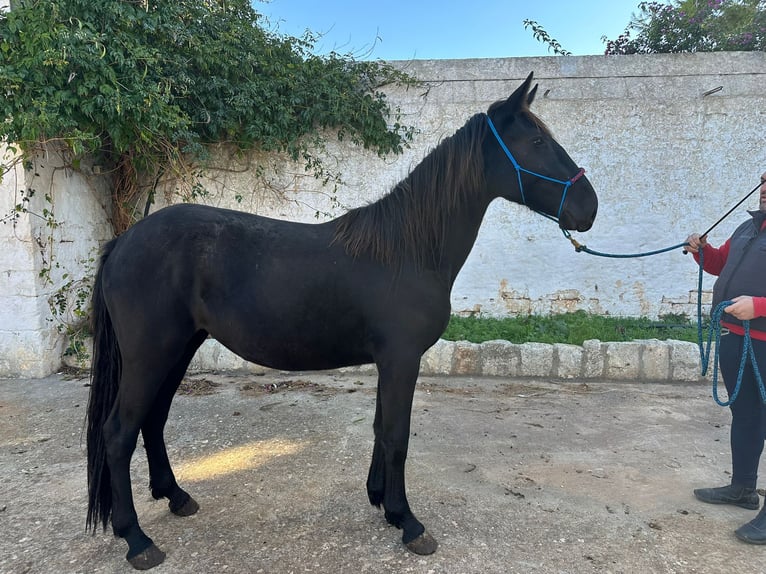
(748, 413)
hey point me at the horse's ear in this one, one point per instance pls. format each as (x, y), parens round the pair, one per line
(518, 99)
(531, 95)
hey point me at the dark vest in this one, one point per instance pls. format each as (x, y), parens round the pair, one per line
(745, 270)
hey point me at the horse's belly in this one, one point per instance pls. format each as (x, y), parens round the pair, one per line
(297, 354)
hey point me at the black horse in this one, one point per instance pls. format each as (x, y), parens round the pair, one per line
(372, 286)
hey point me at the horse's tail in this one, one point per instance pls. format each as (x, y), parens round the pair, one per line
(104, 380)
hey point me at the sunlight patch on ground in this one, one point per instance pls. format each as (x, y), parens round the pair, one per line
(235, 459)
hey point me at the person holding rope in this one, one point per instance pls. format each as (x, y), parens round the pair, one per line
(740, 264)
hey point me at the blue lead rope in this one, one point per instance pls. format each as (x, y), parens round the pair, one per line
(715, 322)
(579, 247)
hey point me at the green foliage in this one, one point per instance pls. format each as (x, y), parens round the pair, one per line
(693, 26)
(148, 83)
(70, 310)
(572, 328)
(541, 35)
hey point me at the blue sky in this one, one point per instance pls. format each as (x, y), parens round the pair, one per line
(428, 29)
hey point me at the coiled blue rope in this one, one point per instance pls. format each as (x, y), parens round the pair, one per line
(715, 329)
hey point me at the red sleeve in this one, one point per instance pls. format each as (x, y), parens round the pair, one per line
(759, 303)
(715, 257)
(759, 306)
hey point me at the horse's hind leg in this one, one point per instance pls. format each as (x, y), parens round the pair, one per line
(162, 480)
(135, 400)
(376, 478)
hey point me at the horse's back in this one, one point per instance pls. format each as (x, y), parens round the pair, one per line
(197, 239)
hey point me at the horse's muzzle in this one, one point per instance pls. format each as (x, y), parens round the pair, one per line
(579, 222)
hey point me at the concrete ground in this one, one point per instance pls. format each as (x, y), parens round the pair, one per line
(510, 476)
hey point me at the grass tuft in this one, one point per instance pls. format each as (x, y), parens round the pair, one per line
(572, 328)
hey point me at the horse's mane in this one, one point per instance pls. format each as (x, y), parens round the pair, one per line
(411, 221)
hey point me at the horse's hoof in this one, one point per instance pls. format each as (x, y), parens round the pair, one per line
(149, 558)
(424, 544)
(188, 508)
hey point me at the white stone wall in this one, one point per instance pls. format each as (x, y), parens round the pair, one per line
(54, 242)
(665, 158)
(24, 339)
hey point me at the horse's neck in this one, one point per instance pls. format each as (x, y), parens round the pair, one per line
(460, 239)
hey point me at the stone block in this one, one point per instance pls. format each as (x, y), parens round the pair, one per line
(213, 356)
(30, 353)
(593, 359)
(500, 359)
(622, 361)
(465, 358)
(685, 361)
(655, 360)
(438, 359)
(536, 360)
(368, 369)
(567, 360)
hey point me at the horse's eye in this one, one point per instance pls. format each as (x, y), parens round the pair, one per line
(538, 141)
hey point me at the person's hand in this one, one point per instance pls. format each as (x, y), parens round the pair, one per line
(695, 242)
(742, 308)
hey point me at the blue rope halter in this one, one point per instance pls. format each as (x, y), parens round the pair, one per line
(567, 184)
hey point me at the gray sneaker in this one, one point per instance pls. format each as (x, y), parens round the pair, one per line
(754, 532)
(732, 494)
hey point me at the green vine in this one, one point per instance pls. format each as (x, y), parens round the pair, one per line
(145, 86)
(70, 310)
(541, 35)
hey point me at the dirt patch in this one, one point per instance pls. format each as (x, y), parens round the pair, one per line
(198, 387)
(520, 389)
(260, 386)
(275, 387)
(430, 386)
(69, 373)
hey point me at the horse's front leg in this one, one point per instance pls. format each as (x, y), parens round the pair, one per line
(396, 386)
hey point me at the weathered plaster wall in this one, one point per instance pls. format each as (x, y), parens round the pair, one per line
(39, 253)
(665, 158)
(22, 341)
